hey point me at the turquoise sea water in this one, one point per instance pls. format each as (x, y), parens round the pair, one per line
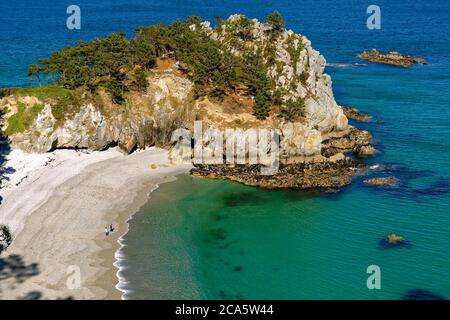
(216, 239)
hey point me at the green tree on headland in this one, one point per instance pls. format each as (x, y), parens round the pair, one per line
(118, 65)
(33, 73)
(293, 109)
(102, 62)
(276, 21)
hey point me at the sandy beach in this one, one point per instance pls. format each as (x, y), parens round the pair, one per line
(57, 206)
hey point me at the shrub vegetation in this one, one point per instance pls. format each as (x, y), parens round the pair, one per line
(118, 64)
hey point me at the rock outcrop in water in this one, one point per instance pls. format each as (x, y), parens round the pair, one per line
(383, 181)
(392, 58)
(355, 114)
(394, 240)
(312, 145)
(324, 174)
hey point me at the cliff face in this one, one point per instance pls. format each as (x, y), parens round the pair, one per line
(296, 68)
(145, 119)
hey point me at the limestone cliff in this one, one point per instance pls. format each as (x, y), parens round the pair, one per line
(145, 120)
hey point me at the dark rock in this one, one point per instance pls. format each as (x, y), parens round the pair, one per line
(419, 294)
(394, 240)
(392, 58)
(355, 114)
(385, 181)
(364, 151)
(325, 174)
(352, 140)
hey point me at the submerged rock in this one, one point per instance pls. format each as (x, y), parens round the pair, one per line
(392, 58)
(384, 181)
(393, 240)
(420, 294)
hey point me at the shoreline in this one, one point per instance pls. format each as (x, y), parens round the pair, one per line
(113, 187)
(118, 251)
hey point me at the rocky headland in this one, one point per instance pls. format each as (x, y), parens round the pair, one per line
(392, 58)
(281, 85)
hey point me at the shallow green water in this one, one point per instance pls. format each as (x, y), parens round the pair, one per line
(215, 239)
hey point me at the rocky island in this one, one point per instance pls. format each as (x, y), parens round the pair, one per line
(240, 74)
(392, 58)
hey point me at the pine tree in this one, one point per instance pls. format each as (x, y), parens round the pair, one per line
(276, 21)
(261, 106)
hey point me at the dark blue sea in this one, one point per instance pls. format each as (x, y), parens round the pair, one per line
(216, 239)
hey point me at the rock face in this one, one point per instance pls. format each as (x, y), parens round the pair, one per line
(296, 68)
(392, 58)
(353, 140)
(151, 120)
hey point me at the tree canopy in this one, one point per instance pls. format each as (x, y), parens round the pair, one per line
(118, 64)
(276, 21)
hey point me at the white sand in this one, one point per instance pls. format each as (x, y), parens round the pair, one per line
(57, 206)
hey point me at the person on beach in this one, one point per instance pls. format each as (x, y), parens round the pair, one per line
(111, 229)
(106, 231)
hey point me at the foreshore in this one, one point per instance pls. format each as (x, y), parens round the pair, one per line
(58, 205)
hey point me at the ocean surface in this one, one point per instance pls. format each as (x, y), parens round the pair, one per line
(217, 239)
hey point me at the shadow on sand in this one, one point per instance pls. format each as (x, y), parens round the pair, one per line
(13, 267)
(14, 271)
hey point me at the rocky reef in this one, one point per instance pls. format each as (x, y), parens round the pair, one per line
(312, 144)
(382, 181)
(394, 240)
(392, 58)
(326, 174)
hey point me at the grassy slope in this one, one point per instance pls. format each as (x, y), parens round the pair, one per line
(23, 119)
